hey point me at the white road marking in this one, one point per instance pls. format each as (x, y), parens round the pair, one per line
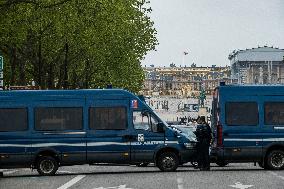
(275, 174)
(10, 172)
(240, 185)
(179, 182)
(114, 187)
(72, 182)
(70, 172)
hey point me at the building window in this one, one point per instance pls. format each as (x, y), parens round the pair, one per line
(13, 119)
(241, 114)
(274, 113)
(114, 118)
(58, 119)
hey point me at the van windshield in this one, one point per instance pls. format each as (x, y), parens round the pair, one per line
(187, 130)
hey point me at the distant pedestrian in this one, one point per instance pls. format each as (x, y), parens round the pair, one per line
(183, 120)
(189, 119)
(204, 135)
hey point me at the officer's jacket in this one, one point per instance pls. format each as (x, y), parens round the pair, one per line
(203, 133)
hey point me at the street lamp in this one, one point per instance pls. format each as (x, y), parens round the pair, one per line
(184, 54)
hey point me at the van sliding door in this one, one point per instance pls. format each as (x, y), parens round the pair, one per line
(242, 129)
(273, 119)
(107, 140)
(58, 126)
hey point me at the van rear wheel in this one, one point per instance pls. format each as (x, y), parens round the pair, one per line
(168, 161)
(46, 166)
(275, 159)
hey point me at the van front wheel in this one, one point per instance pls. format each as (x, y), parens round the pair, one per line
(47, 166)
(275, 159)
(168, 161)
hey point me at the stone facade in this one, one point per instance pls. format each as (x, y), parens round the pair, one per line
(183, 81)
(262, 65)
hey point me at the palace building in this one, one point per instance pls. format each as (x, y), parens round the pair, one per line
(184, 81)
(262, 65)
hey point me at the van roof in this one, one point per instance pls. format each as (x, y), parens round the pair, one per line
(79, 92)
(251, 90)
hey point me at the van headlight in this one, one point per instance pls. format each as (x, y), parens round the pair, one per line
(193, 139)
(189, 145)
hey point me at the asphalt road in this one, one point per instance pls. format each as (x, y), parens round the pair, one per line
(131, 177)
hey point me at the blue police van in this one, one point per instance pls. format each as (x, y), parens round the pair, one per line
(47, 129)
(248, 125)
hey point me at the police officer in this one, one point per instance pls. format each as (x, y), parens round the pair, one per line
(204, 135)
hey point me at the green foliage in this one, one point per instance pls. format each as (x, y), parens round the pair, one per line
(75, 43)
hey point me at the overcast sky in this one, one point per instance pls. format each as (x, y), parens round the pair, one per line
(211, 29)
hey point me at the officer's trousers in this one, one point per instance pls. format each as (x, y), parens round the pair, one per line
(203, 155)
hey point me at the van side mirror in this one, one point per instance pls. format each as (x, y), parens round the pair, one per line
(160, 127)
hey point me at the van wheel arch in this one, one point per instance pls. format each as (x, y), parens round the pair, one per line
(274, 147)
(46, 152)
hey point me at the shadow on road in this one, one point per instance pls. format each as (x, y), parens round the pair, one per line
(140, 172)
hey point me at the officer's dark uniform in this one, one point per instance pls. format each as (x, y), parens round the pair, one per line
(204, 135)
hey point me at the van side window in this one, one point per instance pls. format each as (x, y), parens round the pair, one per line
(141, 121)
(110, 118)
(144, 121)
(241, 113)
(58, 119)
(13, 119)
(274, 113)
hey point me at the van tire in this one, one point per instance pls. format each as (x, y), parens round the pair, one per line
(222, 163)
(168, 161)
(47, 165)
(275, 160)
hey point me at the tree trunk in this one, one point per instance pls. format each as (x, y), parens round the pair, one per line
(39, 78)
(87, 67)
(50, 79)
(13, 66)
(65, 75)
(74, 79)
(22, 75)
